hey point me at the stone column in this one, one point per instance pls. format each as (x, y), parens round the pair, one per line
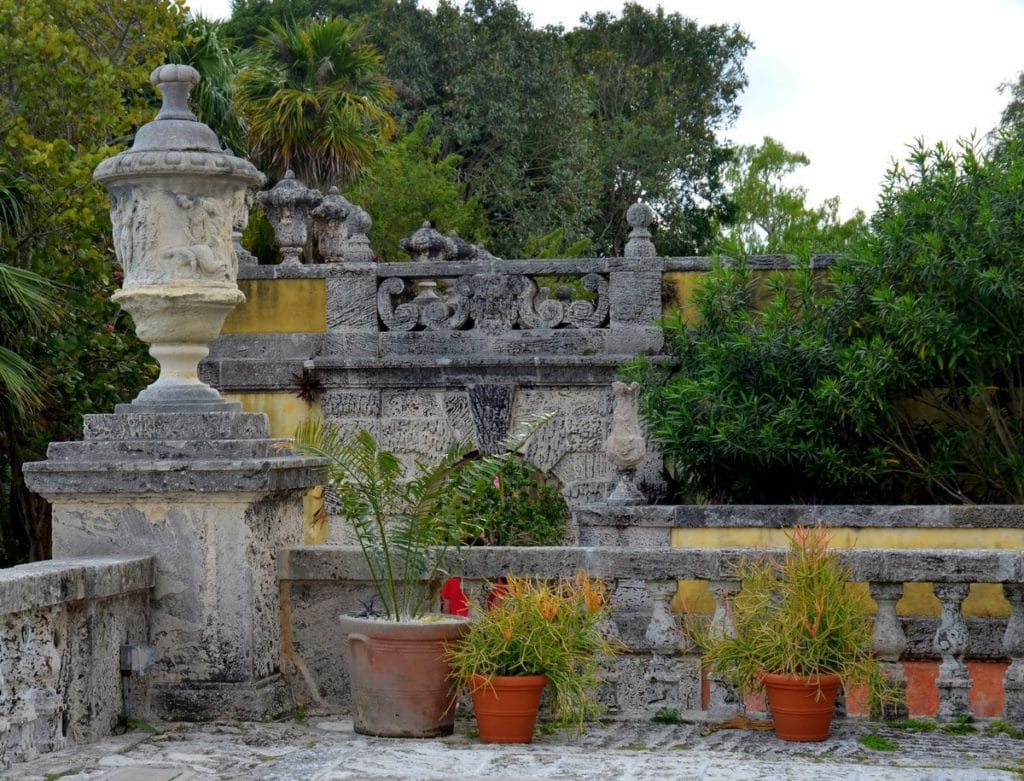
(180, 473)
(1013, 643)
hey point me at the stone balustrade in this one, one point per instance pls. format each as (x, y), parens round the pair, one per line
(661, 668)
(62, 625)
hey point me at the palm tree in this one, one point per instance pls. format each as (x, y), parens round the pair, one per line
(315, 101)
(25, 299)
(202, 44)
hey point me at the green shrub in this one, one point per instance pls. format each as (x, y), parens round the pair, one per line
(515, 507)
(897, 376)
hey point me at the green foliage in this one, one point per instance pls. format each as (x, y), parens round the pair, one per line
(541, 628)
(878, 743)
(795, 615)
(666, 716)
(407, 182)
(918, 725)
(660, 88)
(403, 523)
(125, 724)
(769, 217)
(251, 18)
(1000, 727)
(962, 726)
(202, 44)
(76, 79)
(515, 506)
(314, 99)
(898, 376)
(749, 414)
(504, 99)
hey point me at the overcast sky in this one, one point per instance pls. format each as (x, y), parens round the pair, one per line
(849, 84)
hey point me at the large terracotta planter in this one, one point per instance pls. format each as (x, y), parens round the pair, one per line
(400, 678)
(801, 705)
(506, 706)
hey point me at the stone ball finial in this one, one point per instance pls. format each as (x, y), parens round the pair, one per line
(640, 215)
(175, 82)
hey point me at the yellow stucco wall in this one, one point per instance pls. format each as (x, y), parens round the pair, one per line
(286, 412)
(985, 599)
(280, 306)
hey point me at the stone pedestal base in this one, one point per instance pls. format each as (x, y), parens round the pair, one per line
(214, 500)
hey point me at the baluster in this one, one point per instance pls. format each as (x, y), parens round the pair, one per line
(662, 633)
(1013, 642)
(724, 701)
(889, 643)
(950, 642)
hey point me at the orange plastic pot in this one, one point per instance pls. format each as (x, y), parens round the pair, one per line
(801, 705)
(506, 706)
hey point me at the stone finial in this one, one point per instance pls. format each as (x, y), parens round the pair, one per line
(288, 205)
(329, 225)
(640, 217)
(174, 196)
(426, 244)
(357, 245)
(175, 82)
(626, 445)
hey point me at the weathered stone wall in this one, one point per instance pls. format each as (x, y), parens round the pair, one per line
(62, 625)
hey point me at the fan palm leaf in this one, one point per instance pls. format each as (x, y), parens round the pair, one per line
(315, 101)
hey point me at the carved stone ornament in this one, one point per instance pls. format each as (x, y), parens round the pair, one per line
(626, 445)
(174, 196)
(640, 217)
(425, 244)
(288, 205)
(492, 302)
(330, 226)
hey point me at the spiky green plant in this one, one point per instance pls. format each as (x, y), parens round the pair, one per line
(795, 615)
(404, 523)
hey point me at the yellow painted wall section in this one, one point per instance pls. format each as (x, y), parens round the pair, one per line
(280, 306)
(286, 412)
(985, 599)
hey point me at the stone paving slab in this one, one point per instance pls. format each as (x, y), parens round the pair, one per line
(628, 750)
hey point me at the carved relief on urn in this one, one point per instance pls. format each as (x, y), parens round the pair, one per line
(174, 196)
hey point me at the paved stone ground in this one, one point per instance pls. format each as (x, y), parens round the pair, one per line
(328, 750)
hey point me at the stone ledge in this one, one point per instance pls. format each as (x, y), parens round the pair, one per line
(326, 562)
(133, 476)
(45, 583)
(769, 516)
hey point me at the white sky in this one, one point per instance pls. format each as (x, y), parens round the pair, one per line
(849, 84)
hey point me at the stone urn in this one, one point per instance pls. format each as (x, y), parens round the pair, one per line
(174, 196)
(288, 205)
(626, 445)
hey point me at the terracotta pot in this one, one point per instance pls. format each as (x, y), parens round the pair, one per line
(506, 706)
(400, 678)
(801, 705)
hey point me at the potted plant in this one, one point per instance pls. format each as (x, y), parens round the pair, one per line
(400, 678)
(536, 633)
(798, 632)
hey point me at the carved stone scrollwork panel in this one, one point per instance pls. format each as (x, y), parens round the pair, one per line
(583, 314)
(403, 317)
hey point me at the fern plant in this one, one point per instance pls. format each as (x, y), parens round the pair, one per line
(405, 524)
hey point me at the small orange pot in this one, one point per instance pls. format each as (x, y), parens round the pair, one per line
(801, 705)
(506, 706)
